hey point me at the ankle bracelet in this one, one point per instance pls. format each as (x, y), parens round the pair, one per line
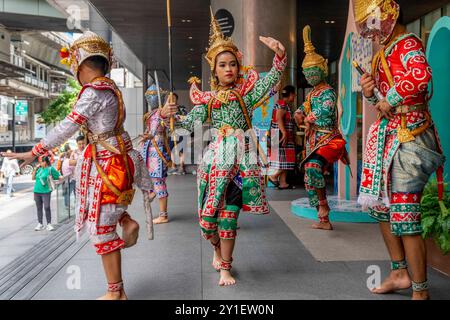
(115, 287)
(419, 286)
(163, 214)
(226, 265)
(396, 265)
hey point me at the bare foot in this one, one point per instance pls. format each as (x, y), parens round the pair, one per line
(322, 226)
(397, 280)
(226, 279)
(160, 220)
(130, 231)
(216, 260)
(117, 295)
(323, 211)
(421, 295)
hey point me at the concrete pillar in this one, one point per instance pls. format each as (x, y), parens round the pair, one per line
(134, 100)
(98, 25)
(277, 19)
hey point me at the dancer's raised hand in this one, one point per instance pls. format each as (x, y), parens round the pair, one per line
(274, 45)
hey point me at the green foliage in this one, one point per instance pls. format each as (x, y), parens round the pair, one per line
(60, 107)
(435, 216)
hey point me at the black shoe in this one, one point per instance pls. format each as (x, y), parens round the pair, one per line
(275, 183)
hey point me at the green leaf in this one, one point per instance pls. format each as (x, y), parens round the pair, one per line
(444, 210)
(444, 242)
(60, 107)
(427, 223)
(435, 215)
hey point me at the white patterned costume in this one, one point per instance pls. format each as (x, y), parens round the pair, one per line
(101, 197)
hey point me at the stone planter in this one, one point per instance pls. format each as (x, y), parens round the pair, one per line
(436, 258)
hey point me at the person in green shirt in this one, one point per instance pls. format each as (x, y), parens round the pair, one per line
(43, 174)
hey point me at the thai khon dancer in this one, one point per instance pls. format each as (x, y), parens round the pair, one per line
(324, 143)
(402, 148)
(109, 166)
(229, 178)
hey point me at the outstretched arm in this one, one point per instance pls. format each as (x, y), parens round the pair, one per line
(85, 107)
(263, 85)
(198, 114)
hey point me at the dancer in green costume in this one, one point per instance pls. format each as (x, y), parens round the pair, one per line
(229, 177)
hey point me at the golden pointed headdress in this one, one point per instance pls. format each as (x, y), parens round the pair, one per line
(312, 59)
(218, 43)
(88, 45)
(364, 8)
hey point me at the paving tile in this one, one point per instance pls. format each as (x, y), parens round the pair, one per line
(270, 261)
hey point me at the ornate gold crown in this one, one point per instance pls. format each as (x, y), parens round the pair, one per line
(88, 45)
(218, 43)
(312, 59)
(364, 8)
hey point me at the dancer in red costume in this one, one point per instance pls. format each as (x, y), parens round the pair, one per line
(402, 149)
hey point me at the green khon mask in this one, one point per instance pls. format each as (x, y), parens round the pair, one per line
(314, 75)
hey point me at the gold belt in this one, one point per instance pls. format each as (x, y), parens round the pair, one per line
(406, 135)
(102, 137)
(406, 109)
(94, 138)
(226, 130)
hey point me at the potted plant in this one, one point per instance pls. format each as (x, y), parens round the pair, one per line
(436, 226)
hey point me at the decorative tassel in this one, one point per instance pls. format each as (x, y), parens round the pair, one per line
(367, 201)
(193, 80)
(148, 214)
(387, 202)
(65, 55)
(65, 61)
(403, 133)
(64, 52)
